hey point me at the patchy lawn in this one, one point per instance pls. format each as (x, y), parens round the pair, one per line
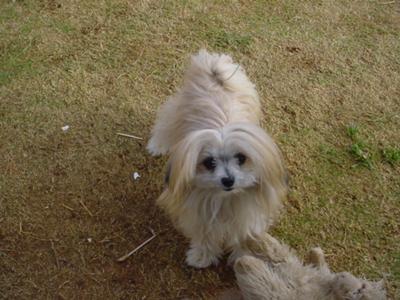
(328, 76)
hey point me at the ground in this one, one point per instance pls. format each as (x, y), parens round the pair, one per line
(328, 76)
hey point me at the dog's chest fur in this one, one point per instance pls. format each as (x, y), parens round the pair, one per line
(228, 217)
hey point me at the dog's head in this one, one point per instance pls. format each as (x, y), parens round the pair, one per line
(234, 159)
(347, 287)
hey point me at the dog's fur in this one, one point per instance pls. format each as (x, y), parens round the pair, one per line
(279, 274)
(210, 130)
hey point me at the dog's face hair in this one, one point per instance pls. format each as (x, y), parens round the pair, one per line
(233, 159)
(223, 167)
(348, 287)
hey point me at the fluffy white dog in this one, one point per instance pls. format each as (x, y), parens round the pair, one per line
(225, 176)
(281, 275)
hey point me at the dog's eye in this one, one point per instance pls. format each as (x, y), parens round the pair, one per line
(210, 163)
(241, 158)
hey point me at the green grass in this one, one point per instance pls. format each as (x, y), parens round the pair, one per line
(391, 155)
(361, 154)
(359, 149)
(364, 154)
(105, 66)
(221, 39)
(352, 131)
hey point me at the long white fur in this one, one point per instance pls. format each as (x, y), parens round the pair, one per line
(215, 93)
(275, 272)
(217, 108)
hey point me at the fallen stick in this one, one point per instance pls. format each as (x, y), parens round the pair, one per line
(85, 207)
(32, 235)
(55, 254)
(138, 247)
(129, 136)
(67, 207)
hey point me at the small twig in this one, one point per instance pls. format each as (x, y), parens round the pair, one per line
(34, 236)
(129, 136)
(389, 2)
(105, 240)
(85, 207)
(138, 247)
(61, 296)
(82, 258)
(34, 284)
(55, 254)
(63, 284)
(91, 276)
(109, 239)
(67, 207)
(123, 74)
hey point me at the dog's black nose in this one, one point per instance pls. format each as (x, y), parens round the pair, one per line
(227, 181)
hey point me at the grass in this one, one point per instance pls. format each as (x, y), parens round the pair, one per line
(221, 39)
(358, 149)
(391, 155)
(104, 67)
(363, 154)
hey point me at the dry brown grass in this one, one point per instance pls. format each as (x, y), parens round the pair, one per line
(104, 67)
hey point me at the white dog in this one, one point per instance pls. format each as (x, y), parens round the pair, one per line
(281, 275)
(225, 175)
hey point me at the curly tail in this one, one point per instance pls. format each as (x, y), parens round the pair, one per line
(211, 70)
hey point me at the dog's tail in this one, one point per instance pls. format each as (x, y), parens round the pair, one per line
(219, 70)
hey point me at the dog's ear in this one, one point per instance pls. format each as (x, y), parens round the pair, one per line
(268, 161)
(273, 168)
(184, 159)
(181, 169)
(273, 182)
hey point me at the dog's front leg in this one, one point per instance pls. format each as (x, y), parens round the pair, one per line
(203, 253)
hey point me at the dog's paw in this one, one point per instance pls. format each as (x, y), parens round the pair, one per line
(155, 149)
(316, 257)
(200, 257)
(246, 264)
